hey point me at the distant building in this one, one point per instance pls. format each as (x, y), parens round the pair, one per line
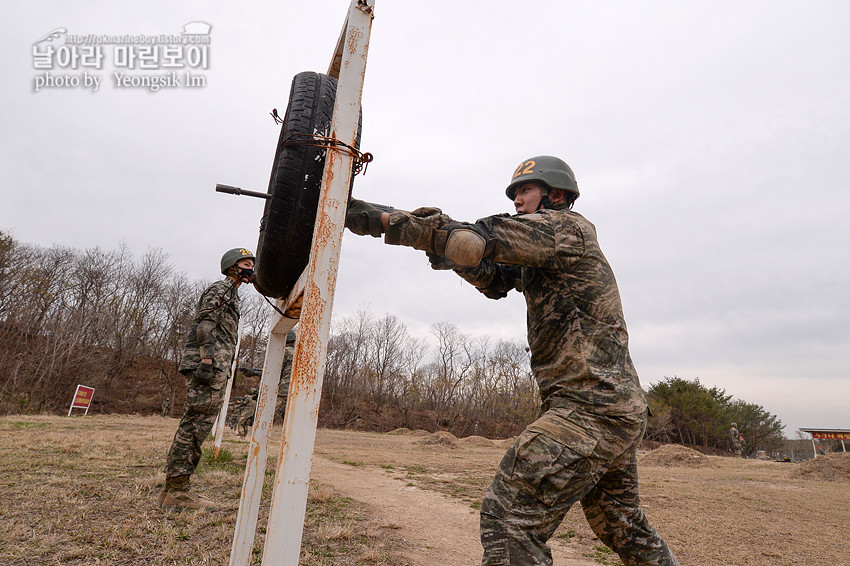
(841, 434)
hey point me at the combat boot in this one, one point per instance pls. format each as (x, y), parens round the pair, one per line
(160, 497)
(177, 496)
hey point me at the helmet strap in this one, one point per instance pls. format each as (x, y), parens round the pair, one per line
(545, 201)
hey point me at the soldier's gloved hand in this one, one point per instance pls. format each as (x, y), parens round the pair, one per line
(204, 374)
(426, 211)
(363, 219)
(439, 263)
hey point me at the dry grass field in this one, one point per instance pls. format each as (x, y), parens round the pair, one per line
(81, 490)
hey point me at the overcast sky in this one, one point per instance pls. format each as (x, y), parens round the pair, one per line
(710, 140)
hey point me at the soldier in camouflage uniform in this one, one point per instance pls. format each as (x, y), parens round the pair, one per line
(246, 412)
(285, 376)
(594, 412)
(234, 411)
(206, 363)
(736, 441)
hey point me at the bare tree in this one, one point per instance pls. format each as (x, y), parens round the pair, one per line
(348, 351)
(384, 356)
(178, 308)
(255, 317)
(454, 359)
(408, 388)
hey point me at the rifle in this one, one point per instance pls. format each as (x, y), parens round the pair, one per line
(220, 188)
(250, 372)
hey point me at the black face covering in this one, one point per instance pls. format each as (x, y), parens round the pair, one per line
(246, 274)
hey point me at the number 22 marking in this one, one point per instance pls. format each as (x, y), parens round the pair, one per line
(524, 168)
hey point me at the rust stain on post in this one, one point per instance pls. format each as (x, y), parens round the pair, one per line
(324, 231)
(329, 174)
(353, 39)
(314, 305)
(332, 277)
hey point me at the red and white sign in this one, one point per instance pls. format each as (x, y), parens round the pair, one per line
(831, 435)
(82, 398)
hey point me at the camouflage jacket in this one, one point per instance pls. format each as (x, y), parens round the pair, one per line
(576, 330)
(214, 329)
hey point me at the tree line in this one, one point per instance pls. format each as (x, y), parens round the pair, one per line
(70, 316)
(688, 412)
(67, 314)
(459, 383)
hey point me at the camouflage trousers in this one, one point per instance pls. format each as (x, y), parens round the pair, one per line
(203, 403)
(563, 457)
(246, 418)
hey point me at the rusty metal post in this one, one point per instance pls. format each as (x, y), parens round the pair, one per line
(289, 498)
(258, 447)
(218, 427)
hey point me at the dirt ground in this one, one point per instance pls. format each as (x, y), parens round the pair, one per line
(81, 490)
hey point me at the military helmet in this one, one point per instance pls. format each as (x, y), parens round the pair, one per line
(231, 257)
(550, 171)
(290, 336)
(735, 424)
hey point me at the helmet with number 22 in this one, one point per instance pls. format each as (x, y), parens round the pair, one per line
(549, 171)
(232, 257)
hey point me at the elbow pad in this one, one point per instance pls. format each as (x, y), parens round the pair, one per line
(466, 244)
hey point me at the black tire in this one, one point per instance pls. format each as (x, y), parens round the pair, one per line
(286, 230)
